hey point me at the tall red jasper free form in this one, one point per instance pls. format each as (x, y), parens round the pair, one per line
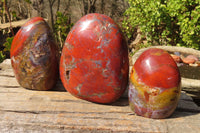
(154, 87)
(34, 55)
(94, 61)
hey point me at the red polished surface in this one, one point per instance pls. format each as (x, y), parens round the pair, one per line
(154, 87)
(23, 34)
(156, 68)
(94, 61)
(34, 55)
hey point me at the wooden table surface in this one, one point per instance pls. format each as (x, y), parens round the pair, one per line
(23, 110)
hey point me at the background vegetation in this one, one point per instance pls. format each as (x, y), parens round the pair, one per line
(60, 14)
(144, 22)
(165, 22)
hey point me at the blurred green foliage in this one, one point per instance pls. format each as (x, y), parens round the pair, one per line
(2, 56)
(62, 27)
(165, 22)
(7, 46)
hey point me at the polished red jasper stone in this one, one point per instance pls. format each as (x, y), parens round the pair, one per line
(154, 87)
(94, 61)
(34, 55)
(156, 68)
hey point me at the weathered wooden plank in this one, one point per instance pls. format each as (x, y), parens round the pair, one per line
(14, 24)
(23, 110)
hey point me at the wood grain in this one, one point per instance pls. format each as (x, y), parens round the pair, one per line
(23, 110)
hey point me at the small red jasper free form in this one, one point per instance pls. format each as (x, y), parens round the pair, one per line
(34, 55)
(154, 87)
(94, 61)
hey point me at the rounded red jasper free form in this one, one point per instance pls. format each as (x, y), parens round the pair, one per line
(94, 61)
(154, 87)
(34, 55)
